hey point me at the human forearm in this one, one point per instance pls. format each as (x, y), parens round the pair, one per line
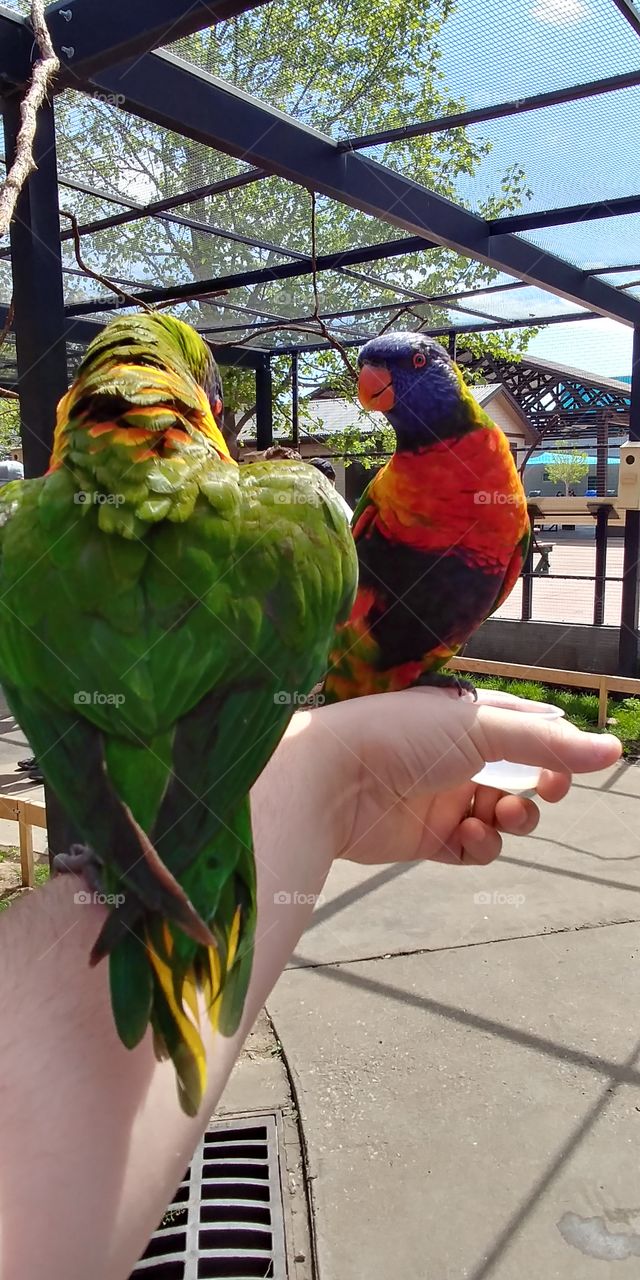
(93, 1139)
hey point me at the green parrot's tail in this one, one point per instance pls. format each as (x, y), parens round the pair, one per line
(160, 975)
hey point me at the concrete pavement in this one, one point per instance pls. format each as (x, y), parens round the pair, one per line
(467, 1068)
(468, 1071)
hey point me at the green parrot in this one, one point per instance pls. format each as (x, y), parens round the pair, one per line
(161, 613)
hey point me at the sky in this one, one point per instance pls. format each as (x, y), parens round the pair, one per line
(571, 153)
(597, 346)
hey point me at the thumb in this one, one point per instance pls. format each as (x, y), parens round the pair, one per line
(550, 744)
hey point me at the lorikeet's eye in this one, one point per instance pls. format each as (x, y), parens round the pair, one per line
(419, 360)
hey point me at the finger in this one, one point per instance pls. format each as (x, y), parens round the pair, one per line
(553, 786)
(480, 843)
(511, 702)
(551, 744)
(516, 815)
(484, 804)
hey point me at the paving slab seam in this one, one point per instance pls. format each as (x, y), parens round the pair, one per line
(459, 946)
(308, 1176)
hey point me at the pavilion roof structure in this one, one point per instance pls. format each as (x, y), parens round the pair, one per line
(130, 59)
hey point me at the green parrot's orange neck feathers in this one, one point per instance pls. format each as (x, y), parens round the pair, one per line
(148, 383)
(158, 428)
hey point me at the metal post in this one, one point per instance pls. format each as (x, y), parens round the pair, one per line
(602, 453)
(628, 645)
(527, 585)
(37, 291)
(602, 525)
(264, 406)
(452, 342)
(295, 405)
(39, 327)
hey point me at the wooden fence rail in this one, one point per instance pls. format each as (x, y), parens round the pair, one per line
(603, 684)
(28, 814)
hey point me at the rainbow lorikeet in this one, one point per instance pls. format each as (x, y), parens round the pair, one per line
(442, 531)
(159, 608)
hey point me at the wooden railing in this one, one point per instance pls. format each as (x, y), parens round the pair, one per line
(604, 685)
(28, 814)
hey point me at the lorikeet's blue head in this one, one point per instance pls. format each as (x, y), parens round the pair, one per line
(412, 380)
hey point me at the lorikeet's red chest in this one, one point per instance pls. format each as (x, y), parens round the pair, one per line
(463, 495)
(441, 540)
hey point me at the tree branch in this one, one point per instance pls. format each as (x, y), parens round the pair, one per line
(43, 72)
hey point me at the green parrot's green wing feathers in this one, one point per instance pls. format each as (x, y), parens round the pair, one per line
(183, 654)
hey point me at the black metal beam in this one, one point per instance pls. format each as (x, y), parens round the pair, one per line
(442, 331)
(85, 330)
(566, 215)
(137, 211)
(40, 335)
(630, 12)
(89, 35)
(183, 98)
(264, 406)
(37, 292)
(267, 275)
(628, 643)
(600, 585)
(477, 115)
(295, 403)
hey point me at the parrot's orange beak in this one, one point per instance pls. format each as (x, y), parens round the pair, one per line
(375, 387)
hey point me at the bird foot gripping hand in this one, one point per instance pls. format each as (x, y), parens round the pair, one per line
(446, 680)
(82, 862)
(161, 613)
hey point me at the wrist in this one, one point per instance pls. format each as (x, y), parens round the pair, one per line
(312, 781)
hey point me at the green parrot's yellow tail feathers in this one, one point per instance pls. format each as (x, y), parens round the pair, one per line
(176, 1030)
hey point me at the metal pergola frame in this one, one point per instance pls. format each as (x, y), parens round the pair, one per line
(104, 49)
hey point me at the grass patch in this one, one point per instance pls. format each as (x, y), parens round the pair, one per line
(581, 708)
(10, 856)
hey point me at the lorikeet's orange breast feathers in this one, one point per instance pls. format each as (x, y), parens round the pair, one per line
(463, 493)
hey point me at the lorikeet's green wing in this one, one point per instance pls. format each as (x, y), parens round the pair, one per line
(187, 647)
(364, 506)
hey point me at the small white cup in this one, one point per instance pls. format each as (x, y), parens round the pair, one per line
(506, 775)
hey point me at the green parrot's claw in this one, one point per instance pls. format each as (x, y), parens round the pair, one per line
(443, 680)
(81, 861)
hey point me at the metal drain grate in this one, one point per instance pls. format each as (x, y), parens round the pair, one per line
(225, 1221)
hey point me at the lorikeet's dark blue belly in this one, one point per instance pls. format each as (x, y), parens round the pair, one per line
(424, 600)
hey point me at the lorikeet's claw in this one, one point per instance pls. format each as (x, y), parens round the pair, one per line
(81, 861)
(443, 680)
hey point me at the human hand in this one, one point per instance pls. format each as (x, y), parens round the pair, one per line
(402, 765)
